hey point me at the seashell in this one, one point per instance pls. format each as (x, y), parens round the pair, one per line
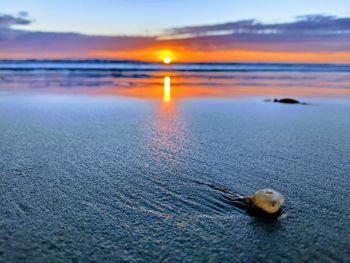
(267, 200)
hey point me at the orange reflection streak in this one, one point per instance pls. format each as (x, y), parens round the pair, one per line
(174, 87)
(167, 90)
(169, 86)
(169, 138)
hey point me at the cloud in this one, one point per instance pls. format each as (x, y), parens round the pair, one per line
(46, 42)
(309, 33)
(267, 42)
(310, 24)
(314, 34)
(23, 14)
(22, 41)
(10, 20)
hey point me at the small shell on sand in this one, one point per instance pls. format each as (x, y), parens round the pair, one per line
(267, 200)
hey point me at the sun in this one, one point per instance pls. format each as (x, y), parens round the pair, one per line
(167, 56)
(167, 60)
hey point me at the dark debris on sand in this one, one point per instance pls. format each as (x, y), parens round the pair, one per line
(287, 101)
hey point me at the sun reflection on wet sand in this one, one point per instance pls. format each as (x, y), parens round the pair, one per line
(169, 138)
(166, 86)
(167, 89)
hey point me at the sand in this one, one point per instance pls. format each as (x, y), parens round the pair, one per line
(114, 162)
(108, 178)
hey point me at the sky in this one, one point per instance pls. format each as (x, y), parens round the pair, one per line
(187, 30)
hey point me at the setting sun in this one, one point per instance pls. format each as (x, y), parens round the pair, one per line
(167, 60)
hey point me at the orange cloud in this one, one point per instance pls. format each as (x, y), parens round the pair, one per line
(152, 55)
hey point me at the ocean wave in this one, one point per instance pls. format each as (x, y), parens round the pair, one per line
(120, 65)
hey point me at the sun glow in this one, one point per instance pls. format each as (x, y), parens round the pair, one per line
(167, 56)
(166, 96)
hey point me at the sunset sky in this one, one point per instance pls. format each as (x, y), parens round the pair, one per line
(197, 30)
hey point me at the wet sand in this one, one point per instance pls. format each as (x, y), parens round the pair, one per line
(118, 165)
(107, 178)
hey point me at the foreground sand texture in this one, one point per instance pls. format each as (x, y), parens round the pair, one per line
(105, 179)
(92, 176)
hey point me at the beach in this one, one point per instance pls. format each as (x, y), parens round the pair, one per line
(101, 165)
